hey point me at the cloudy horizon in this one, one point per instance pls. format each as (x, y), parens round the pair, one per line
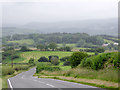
(57, 11)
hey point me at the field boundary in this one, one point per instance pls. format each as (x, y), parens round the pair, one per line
(71, 79)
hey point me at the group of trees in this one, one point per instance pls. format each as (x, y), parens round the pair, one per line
(98, 50)
(46, 47)
(53, 59)
(53, 46)
(73, 60)
(90, 42)
(82, 39)
(9, 54)
(111, 46)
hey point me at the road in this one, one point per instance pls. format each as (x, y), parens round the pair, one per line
(26, 80)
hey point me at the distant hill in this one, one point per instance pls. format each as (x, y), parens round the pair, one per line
(92, 27)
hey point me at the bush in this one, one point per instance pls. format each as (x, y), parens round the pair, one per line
(24, 49)
(43, 59)
(101, 61)
(55, 61)
(76, 58)
(65, 58)
(7, 70)
(21, 67)
(67, 48)
(31, 61)
(52, 56)
(46, 66)
(14, 56)
(66, 63)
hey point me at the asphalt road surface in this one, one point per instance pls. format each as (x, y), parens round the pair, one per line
(26, 80)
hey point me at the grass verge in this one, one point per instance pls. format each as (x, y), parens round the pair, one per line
(105, 84)
(5, 78)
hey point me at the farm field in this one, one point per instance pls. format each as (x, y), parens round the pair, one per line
(25, 41)
(70, 45)
(25, 56)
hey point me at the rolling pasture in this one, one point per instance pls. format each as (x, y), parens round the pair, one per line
(25, 56)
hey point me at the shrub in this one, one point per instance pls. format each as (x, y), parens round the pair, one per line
(46, 66)
(52, 56)
(76, 58)
(7, 70)
(31, 61)
(65, 58)
(21, 67)
(101, 61)
(14, 56)
(43, 59)
(54, 61)
(67, 48)
(66, 63)
(24, 49)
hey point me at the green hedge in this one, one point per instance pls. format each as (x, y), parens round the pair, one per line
(101, 61)
(47, 67)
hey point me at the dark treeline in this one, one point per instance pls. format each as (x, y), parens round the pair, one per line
(80, 39)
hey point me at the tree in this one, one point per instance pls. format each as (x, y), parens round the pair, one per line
(53, 46)
(41, 47)
(55, 61)
(24, 49)
(66, 63)
(31, 61)
(67, 48)
(100, 50)
(8, 48)
(43, 59)
(52, 56)
(81, 43)
(76, 58)
(63, 59)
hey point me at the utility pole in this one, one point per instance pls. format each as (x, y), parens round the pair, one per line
(11, 58)
(11, 62)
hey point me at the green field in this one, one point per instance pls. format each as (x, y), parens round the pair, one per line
(37, 54)
(25, 56)
(70, 45)
(108, 41)
(25, 41)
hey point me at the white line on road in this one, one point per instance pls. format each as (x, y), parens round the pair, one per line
(50, 85)
(10, 84)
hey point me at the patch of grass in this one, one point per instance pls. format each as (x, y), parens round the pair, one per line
(25, 41)
(25, 56)
(82, 82)
(37, 54)
(65, 67)
(6, 77)
(106, 74)
(70, 45)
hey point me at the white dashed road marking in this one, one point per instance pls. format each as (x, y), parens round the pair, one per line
(10, 84)
(50, 85)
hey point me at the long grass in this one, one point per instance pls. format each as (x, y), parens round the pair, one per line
(106, 74)
(8, 70)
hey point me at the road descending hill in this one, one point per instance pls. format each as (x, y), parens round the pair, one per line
(26, 80)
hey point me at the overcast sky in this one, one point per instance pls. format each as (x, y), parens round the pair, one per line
(25, 11)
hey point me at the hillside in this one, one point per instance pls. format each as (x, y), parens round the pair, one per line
(92, 27)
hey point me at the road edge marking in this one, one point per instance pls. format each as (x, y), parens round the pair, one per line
(10, 84)
(50, 85)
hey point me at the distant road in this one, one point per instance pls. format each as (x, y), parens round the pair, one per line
(26, 80)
